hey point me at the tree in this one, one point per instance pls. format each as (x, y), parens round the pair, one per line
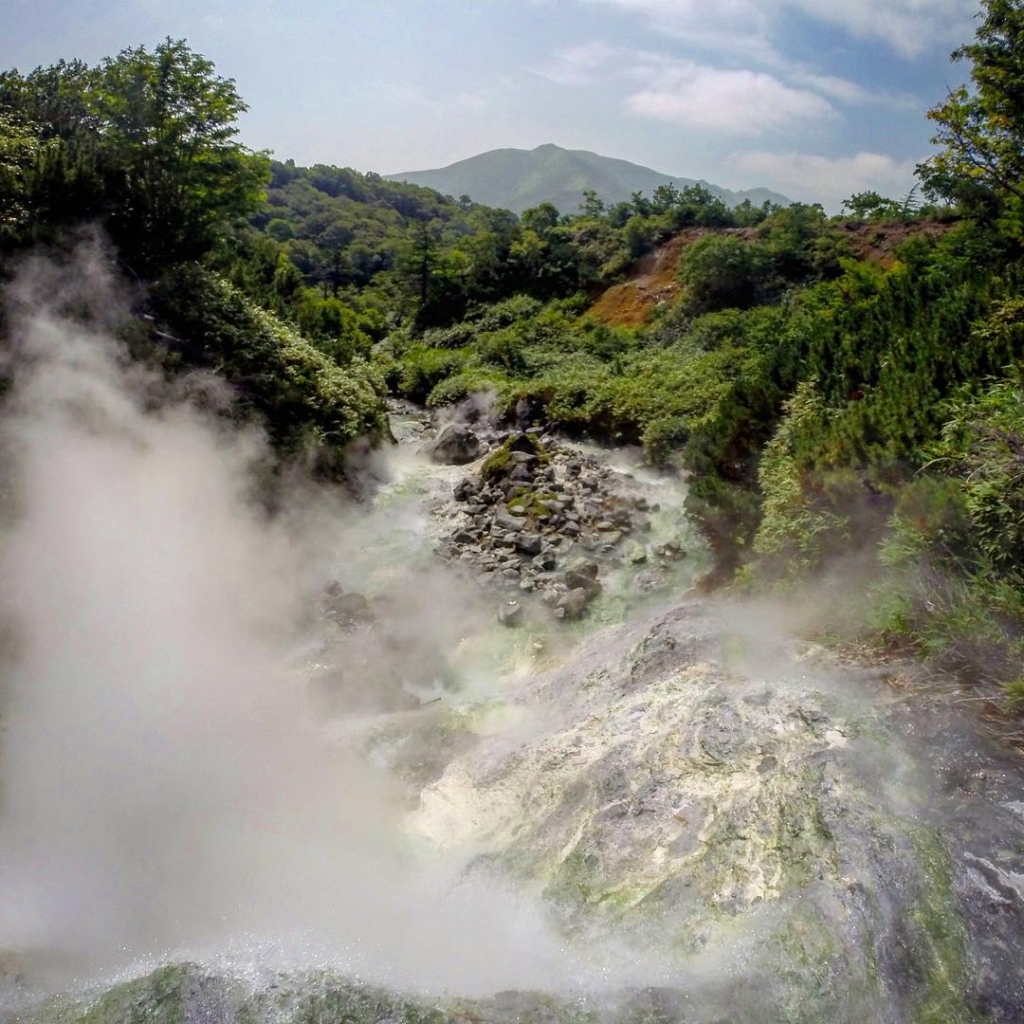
(593, 205)
(541, 219)
(871, 205)
(145, 141)
(19, 150)
(981, 130)
(168, 123)
(723, 271)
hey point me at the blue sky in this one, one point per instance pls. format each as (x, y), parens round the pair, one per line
(815, 98)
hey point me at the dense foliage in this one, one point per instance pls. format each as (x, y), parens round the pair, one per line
(836, 388)
(144, 146)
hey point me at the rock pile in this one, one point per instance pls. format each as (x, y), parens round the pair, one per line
(538, 519)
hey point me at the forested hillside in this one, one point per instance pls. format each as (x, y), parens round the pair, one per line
(521, 178)
(831, 396)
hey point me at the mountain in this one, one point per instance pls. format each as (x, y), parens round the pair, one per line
(516, 179)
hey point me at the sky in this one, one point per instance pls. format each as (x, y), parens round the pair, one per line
(817, 99)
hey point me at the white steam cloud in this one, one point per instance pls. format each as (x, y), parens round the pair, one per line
(164, 784)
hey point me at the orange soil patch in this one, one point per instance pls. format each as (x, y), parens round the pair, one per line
(652, 279)
(877, 240)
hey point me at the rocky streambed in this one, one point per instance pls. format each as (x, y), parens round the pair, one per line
(546, 521)
(713, 820)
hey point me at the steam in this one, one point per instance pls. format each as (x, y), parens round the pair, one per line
(164, 784)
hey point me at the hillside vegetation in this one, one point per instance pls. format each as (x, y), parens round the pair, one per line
(842, 391)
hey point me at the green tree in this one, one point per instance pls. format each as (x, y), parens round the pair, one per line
(871, 206)
(723, 271)
(146, 141)
(169, 126)
(981, 130)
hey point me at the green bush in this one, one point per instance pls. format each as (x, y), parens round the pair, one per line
(302, 395)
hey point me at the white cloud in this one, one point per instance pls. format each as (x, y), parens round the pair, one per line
(737, 27)
(844, 91)
(459, 102)
(739, 102)
(828, 180)
(576, 65)
(908, 26)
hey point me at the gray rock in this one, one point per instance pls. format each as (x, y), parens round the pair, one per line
(505, 520)
(586, 566)
(579, 581)
(574, 603)
(648, 581)
(529, 543)
(347, 609)
(466, 489)
(510, 613)
(455, 444)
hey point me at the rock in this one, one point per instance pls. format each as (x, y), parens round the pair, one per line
(579, 581)
(346, 609)
(529, 543)
(510, 613)
(646, 582)
(670, 550)
(466, 489)
(574, 603)
(523, 443)
(521, 475)
(586, 567)
(636, 554)
(546, 560)
(455, 444)
(505, 520)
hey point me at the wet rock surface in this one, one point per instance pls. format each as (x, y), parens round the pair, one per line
(771, 823)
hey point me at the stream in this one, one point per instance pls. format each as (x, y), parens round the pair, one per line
(669, 809)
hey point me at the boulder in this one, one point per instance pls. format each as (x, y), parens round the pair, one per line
(505, 520)
(573, 603)
(529, 543)
(455, 444)
(466, 489)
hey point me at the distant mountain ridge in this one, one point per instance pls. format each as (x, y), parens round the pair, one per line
(516, 179)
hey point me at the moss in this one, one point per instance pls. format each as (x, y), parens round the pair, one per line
(500, 461)
(532, 503)
(571, 887)
(177, 993)
(940, 948)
